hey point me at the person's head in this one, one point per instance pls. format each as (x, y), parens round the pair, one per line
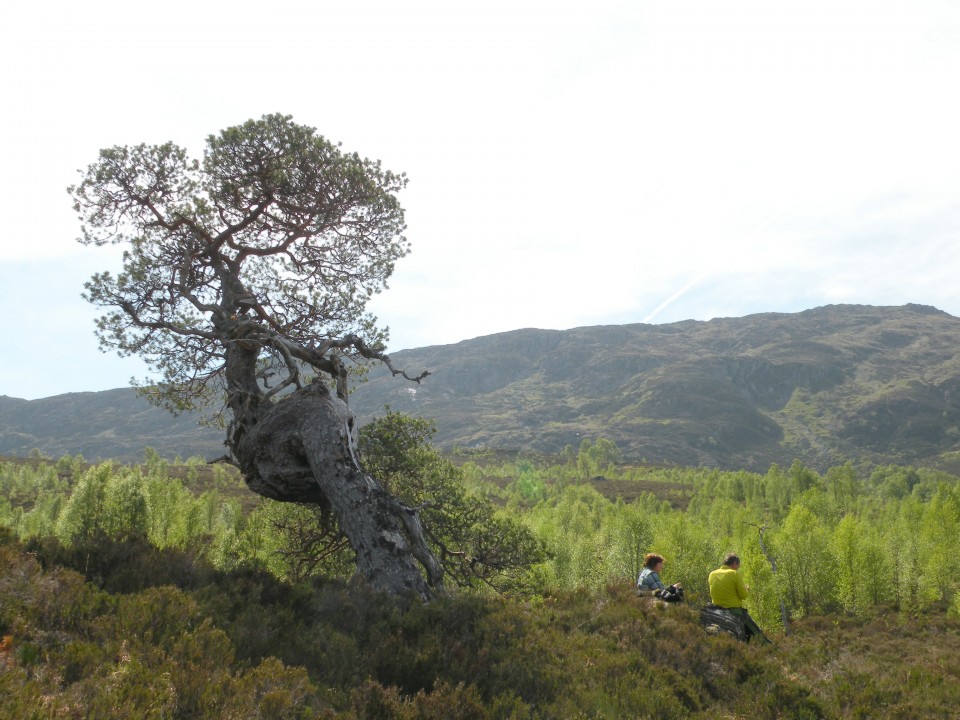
(652, 561)
(731, 561)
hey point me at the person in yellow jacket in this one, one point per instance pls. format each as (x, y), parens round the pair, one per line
(728, 591)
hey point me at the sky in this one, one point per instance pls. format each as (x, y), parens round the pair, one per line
(570, 164)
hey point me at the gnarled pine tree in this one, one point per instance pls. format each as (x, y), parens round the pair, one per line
(242, 275)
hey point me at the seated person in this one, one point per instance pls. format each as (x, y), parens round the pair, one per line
(728, 591)
(650, 579)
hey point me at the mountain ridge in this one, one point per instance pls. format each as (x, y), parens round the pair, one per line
(865, 383)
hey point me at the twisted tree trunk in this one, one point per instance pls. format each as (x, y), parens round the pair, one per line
(248, 264)
(303, 449)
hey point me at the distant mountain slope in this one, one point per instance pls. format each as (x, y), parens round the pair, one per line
(116, 424)
(872, 384)
(878, 384)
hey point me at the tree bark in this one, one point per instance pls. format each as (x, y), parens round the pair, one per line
(303, 449)
(784, 615)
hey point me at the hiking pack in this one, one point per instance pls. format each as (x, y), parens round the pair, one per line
(672, 593)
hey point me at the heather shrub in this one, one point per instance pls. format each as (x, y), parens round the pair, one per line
(273, 691)
(373, 701)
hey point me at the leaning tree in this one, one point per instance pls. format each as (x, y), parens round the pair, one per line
(246, 276)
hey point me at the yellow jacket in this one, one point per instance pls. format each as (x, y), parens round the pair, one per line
(726, 588)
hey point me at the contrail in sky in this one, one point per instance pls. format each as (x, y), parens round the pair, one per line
(673, 298)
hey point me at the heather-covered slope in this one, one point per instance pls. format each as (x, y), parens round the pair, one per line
(866, 383)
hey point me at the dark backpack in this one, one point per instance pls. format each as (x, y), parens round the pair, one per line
(669, 594)
(716, 620)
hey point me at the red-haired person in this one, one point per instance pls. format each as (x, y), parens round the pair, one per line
(650, 579)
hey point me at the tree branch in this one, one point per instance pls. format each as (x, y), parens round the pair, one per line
(784, 615)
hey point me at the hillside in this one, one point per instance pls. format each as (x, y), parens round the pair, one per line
(872, 384)
(876, 384)
(116, 424)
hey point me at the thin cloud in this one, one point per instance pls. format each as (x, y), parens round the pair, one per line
(676, 296)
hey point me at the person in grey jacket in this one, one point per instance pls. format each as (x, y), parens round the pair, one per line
(649, 579)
